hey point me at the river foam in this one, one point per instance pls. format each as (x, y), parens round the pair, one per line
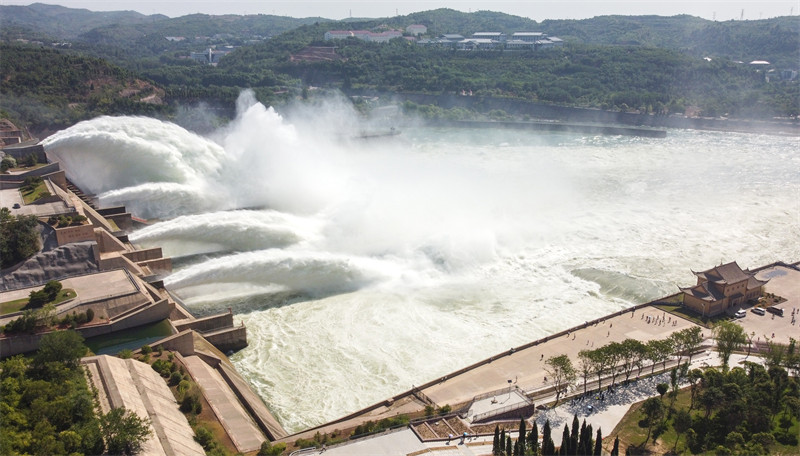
(362, 268)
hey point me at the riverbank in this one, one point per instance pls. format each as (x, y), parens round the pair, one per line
(520, 109)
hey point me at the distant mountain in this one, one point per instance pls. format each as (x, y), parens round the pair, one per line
(66, 23)
(126, 28)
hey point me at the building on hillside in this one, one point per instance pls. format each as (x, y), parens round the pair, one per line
(519, 45)
(364, 35)
(416, 29)
(452, 37)
(527, 36)
(209, 57)
(383, 37)
(500, 37)
(722, 288)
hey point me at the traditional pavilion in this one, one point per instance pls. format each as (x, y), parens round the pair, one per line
(721, 288)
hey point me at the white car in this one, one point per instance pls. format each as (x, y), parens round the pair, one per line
(740, 314)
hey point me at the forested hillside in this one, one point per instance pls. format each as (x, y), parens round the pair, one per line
(652, 64)
(47, 88)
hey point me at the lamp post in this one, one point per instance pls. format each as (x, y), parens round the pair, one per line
(509, 390)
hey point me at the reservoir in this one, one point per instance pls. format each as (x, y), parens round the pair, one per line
(362, 268)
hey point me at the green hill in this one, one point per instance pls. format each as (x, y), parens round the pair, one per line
(47, 88)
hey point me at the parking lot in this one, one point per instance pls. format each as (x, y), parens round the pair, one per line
(784, 282)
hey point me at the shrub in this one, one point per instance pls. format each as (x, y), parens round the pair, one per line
(445, 409)
(89, 315)
(7, 163)
(162, 367)
(125, 354)
(183, 387)
(204, 437)
(175, 378)
(146, 349)
(785, 437)
(38, 298)
(52, 288)
(268, 449)
(191, 401)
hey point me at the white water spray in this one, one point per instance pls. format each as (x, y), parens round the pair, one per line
(374, 266)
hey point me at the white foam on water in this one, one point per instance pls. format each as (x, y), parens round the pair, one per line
(378, 265)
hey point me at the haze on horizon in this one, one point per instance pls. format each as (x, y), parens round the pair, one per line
(538, 11)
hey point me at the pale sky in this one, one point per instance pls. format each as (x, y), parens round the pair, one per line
(536, 10)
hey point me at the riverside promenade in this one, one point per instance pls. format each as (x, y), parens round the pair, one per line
(524, 367)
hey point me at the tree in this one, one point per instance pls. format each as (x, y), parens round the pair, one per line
(548, 447)
(774, 354)
(573, 435)
(615, 449)
(64, 348)
(52, 288)
(599, 362)
(564, 449)
(729, 337)
(598, 443)
(561, 371)
(659, 351)
(687, 341)
(123, 431)
(681, 422)
(653, 410)
(695, 376)
(662, 388)
(533, 440)
(19, 239)
(585, 366)
(613, 353)
(496, 441)
(632, 353)
(521, 438)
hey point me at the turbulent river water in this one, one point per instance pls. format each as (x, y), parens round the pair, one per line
(361, 268)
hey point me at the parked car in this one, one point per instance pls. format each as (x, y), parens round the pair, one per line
(16, 205)
(775, 310)
(758, 310)
(740, 313)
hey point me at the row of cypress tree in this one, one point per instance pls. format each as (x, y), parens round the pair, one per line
(574, 442)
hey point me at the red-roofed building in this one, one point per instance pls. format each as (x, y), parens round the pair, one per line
(721, 288)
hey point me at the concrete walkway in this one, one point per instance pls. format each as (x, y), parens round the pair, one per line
(604, 414)
(234, 418)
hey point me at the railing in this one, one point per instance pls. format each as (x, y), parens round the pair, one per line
(501, 411)
(422, 396)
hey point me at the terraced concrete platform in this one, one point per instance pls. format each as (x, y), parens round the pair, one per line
(137, 387)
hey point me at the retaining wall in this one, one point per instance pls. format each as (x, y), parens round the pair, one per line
(209, 323)
(70, 234)
(228, 338)
(136, 256)
(25, 343)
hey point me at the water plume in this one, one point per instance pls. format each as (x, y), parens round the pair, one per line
(387, 263)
